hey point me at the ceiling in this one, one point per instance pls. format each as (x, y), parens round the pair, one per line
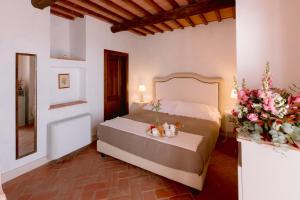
(144, 17)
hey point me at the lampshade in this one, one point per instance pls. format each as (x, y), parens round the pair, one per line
(142, 88)
(233, 94)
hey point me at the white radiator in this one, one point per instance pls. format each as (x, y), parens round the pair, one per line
(68, 135)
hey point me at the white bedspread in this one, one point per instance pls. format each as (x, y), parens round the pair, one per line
(184, 140)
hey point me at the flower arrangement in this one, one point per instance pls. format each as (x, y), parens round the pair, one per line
(268, 114)
(156, 107)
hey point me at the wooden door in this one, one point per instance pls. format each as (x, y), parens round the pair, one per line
(115, 84)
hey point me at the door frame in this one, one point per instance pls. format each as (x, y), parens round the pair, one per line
(126, 56)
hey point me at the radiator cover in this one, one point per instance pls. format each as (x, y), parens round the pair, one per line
(68, 135)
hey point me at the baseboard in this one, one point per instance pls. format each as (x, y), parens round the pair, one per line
(7, 176)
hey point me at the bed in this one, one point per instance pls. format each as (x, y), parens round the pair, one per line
(189, 98)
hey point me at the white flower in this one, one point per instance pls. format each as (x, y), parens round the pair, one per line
(257, 106)
(287, 128)
(276, 126)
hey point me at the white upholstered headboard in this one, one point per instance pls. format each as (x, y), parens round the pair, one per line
(190, 87)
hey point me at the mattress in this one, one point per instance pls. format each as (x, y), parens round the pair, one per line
(162, 153)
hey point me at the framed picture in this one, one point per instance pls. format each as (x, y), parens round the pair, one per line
(63, 81)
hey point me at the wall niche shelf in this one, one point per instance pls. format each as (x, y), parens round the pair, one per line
(67, 38)
(67, 59)
(67, 104)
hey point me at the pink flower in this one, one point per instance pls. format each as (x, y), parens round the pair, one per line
(261, 94)
(252, 117)
(264, 115)
(243, 96)
(296, 99)
(268, 104)
(234, 112)
(254, 93)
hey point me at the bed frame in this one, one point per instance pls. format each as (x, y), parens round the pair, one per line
(189, 87)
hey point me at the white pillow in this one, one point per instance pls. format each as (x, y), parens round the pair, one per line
(167, 106)
(195, 110)
(188, 109)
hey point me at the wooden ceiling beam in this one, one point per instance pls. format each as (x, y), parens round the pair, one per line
(155, 5)
(127, 12)
(159, 9)
(67, 10)
(166, 26)
(174, 4)
(41, 4)
(119, 8)
(156, 28)
(89, 12)
(97, 8)
(138, 32)
(218, 15)
(144, 11)
(199, 7)
(203, 19)
(190, 21)
(137, 7)
(70, 8)
(148, 31)
(60, 14)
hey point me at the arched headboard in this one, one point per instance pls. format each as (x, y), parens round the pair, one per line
(190, 87)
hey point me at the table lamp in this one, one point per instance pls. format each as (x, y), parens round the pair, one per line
(142, 89)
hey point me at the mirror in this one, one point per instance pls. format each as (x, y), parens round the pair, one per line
(26, 115)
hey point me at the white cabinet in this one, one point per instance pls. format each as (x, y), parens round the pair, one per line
(268, 173)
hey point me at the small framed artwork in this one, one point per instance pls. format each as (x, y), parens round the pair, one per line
(63, 81)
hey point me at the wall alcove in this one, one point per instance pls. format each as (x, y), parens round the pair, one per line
(67, 56)
(67, 38)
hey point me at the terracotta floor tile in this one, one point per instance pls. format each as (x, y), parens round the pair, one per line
(182, 197)
(25, 197)
(164, 193)
(102, 194)
(150, 195)
(87, 176)
(96, 186)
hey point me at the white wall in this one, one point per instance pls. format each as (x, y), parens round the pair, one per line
(268, 30)
(207, 50)
(26, 31)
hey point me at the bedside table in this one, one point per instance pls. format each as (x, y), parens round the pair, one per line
(137, 105)
(227, 125)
